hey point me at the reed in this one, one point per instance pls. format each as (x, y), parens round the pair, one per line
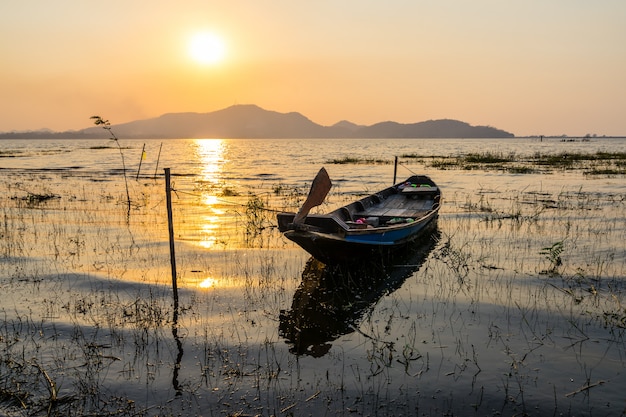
(106, 125)
(596, 163)
(520, 283)
(357, 160)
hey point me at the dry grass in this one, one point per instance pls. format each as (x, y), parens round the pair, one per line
(518, 308)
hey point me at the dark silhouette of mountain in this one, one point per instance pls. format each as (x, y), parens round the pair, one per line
(240, 121)
(445, 128)
(250, 121)
(344, 124)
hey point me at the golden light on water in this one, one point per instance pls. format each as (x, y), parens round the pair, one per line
(211, 201)
(210, 153)
(210, 223)
(208, 228)
(208, 283)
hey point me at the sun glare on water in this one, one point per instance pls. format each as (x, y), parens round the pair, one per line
(208, 283)
(207, 48)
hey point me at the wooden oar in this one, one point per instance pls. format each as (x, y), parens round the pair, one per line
(319, 189)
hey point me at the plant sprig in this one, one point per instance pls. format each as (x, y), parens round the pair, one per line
(106, 125)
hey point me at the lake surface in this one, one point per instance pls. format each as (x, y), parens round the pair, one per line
(515, 305)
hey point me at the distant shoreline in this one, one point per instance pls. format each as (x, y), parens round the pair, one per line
(69, 136)
(248, 121)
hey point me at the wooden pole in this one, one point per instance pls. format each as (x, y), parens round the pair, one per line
(170, 224)
(395, 170)
(158, 158)
(143, 153)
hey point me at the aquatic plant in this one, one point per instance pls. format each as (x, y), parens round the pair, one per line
(106, 125)
(86, 319)
(36, 198)
(553, 255)
(257, 219)
(598, 163)
(488, 158)
(356, 161)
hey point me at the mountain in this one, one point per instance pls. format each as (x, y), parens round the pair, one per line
(445, 128)
(344, 124)
(240, 121)
(250, 121)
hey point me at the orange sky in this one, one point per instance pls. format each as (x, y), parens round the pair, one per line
(526, 66)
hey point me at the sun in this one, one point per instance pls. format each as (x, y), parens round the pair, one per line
(206, 48)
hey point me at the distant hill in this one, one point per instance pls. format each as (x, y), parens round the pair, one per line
(250, 121)
(430, 129)
(344, 124)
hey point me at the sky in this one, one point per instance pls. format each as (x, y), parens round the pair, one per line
(530, 67)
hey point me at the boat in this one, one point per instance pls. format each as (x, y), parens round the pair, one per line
(332, 300)
(373, 226)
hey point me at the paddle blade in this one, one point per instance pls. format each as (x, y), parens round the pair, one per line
(319, 189)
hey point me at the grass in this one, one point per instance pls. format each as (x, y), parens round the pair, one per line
(597, 163)
(357, 161)
(520, 284)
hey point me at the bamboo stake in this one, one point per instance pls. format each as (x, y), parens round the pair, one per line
(158, 158)
(168, 194)
(143, 154)
(179, 343)
(395, 170)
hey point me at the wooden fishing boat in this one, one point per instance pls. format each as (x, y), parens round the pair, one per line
(376, 225)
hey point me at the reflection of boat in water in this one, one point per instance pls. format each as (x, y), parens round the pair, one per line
(332, 299)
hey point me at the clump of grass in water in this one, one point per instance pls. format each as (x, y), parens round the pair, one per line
(561, 160)
(257, 219)
(289, 197)
(521, 170)
(607, 163)
(553, 255)
(488, 158)
(229, 192)
(356, 161)
(9, 154)
(444, 164)
(33, 199)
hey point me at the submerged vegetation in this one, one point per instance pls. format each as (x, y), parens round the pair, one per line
(553, 255)
(356, 160)
(598, 163)
(516, 306)
(106, 125)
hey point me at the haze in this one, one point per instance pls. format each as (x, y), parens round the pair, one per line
(529, 67)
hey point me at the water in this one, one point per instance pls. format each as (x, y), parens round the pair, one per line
(516, 306)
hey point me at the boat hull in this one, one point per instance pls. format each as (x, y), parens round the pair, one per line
(331, 249)
(375, 226)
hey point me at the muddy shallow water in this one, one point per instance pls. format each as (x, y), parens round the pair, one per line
(515, 304)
